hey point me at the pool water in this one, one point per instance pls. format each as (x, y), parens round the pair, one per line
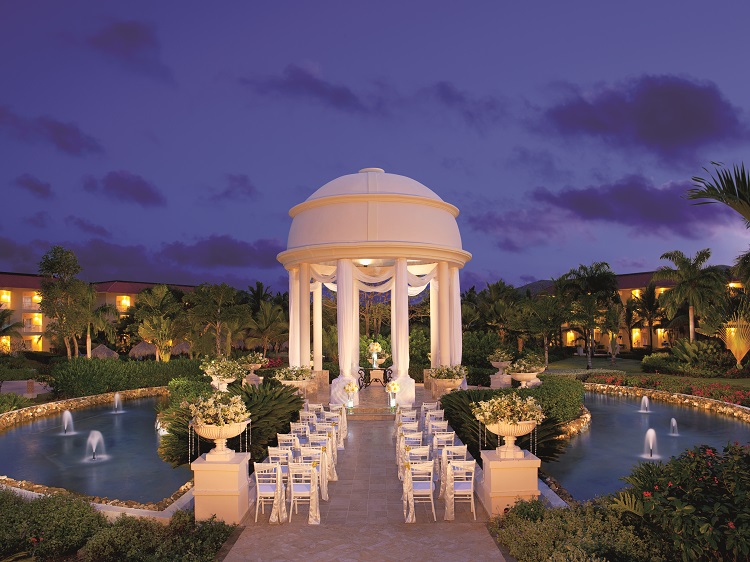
(596, 460)
(129, 468)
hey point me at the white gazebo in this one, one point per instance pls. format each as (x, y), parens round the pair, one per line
(373, 231)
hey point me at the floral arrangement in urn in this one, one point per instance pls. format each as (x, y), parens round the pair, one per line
(531, 362)
(500, 355)
(218, 409)
(254, 358)
(294, 374)
(374, 347)
(507, 408)
(446, 372)
(223, 368)
(351, 387)
(392, 386)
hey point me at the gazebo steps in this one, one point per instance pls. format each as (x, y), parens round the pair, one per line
(371, 413)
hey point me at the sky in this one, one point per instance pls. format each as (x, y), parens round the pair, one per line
(166, 141)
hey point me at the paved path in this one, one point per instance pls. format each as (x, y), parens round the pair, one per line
(19, 387)
(364, 518)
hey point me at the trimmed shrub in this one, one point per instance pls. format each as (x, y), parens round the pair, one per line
(587, 532)
(659, 363)
(477, 346)
(12, 401)
(479, 376)
(85, 377)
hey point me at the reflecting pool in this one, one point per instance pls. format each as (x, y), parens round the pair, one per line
(127, 466)
(594, 461)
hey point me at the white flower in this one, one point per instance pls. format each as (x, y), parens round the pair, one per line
(445, 372)
(294, 373)
(529, 363)
(507, 408)
(223, 368)
(392, 386)
(218, 409)
(374, 347)
(351, 387)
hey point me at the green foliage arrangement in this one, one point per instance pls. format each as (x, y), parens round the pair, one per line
(529, 362)
(507, 408)
(586, 533)
(84, 377)
(271, 409)
(660, 363)
(11, 401)
(477, 346)
(696, 504)
(223, 368)
(449, 372)
(293, 373)
(694, 359)
(49, 526)
(501, 354)
(560, 400)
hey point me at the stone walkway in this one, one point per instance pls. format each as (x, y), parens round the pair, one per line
(364, 519)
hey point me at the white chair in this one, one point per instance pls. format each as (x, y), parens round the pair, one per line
(422, 483)
(419, 454)
(265, 485)
(315, 408)
(407, 416)
(463, 482)
(307, 417)
(301, 430)
(427, 407)
(300, 486)
(431, 416)
(442, 439)
(282, 457)
(409, 427)
(287, 441)
(437, 426)
(413, 439)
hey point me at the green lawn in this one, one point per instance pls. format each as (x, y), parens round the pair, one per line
(633, 367)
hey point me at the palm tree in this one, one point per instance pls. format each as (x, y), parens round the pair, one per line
(258, 294)
(541, 316)
(97, 318)
(495, 304)
(160, 331)
(8, 328)
(159, 315)
(731, 187)
(696, 284)
(267, 327)
(610, 324)
(586, 314)
(649, 309)
(630, 319)
(211, 307)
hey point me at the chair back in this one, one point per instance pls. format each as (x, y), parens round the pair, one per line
(279, 456)
(419, 454)
(463, 471)
(265, 478)
(413, 439)
(287, 440)
(310, 454)
(436, 426)
(318, 440)
(456, 452)
(307, 417)
(315, 407)
(421, 472)
(333, 417)
(300, 429)
(323, 427)
(407, 416)
(409, 427)
(443, 439)
(301, 475)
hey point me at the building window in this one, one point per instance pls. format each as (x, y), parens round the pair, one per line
(122, 303)
(31, 300)
(635, 293)
(4, 299)
(33, 344)
(5, 344)
(636, 336)
(32, 322)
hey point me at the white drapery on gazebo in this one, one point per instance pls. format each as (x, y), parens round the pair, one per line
(374, 232)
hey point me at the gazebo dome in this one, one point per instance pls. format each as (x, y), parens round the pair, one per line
(372, 214)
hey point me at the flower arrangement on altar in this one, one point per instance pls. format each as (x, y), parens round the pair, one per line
(294, 374)
(507, 408)
(254, 358)
(531, 362)
(449, 372)
(392, 386)
(501, 354)
(374, 347)
(223, 368)
(218, 409)
(351, 387)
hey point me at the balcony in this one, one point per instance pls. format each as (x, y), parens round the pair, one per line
(29, 304)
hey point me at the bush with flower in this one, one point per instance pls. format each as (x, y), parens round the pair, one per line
(223, 368)
(530, 362)
(218, 409)
(507, 408)
(254, 358)
(449, 372)
(294, 374)
(501, 355)
(392, 386)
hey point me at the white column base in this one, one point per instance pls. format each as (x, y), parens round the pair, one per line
(221, 488)
(506, 481)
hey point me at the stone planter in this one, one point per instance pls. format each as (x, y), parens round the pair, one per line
(220, 383)
(220, 434)
(526, 378)
(509, 432)
(301, 386)
(443, 386)
(500, 379)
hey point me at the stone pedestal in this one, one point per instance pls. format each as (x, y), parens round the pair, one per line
(221, 488)
(323, 390)
(443, 386)
(505, 481)
(427, 377)
(30, 389)
(500, 381)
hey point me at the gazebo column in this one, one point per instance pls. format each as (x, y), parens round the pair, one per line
(400, 333)
(304, 315)
(434, 325)
(293, 317)
(444, 313)
(455, 306)
(317, 291)
(344, 319)
(355, 327)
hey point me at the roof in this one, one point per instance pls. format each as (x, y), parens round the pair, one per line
(20, 280)
(374, 180)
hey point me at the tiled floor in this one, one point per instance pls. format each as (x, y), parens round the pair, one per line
(364, 518)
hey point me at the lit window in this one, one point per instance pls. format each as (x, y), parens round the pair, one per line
(5, 299)
(123, 303)
(635, 293)
(5, 344)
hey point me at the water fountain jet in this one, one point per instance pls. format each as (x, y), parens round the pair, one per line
(67, 421)
(649, 445)
(94, 442)
(118, 402)
(673, 428)
(644, 406)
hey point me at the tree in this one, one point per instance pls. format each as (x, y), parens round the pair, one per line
(8, 328)
(258, 294)
(586, 313)
(696, 284)
(62, 296)
(540, 316)
(97, 318)
(211, 307)
(731, 187)
(610, 324)
(159, 318)
(267, 328)
(649, 309)
(631, 320)
(495, 304)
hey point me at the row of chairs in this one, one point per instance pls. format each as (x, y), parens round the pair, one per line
(301, 483)
(423, 482)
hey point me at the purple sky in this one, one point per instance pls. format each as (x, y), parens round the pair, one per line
(166, 141)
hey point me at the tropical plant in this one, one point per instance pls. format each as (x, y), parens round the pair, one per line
(541, 316)
(695, 283)
(267, 328)
(729, 187)
(611, 322)
(8, 328)
(649, 309)
(494, 304)
(159, 317)
(586, 314)
(501, 354)
(97, 318)
(294, 374)
(211, 307)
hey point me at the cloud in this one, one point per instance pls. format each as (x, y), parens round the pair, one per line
(541, 163)
(134, 45)
(87, 226)
(65, 137)
(671, 116)
(629, 264)
(34, 186)
(238, 187)
(516, 230)
(477, 112)
(297, 82)
(39, 219)
(218, 251)
(124, 186)
(635, 202)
